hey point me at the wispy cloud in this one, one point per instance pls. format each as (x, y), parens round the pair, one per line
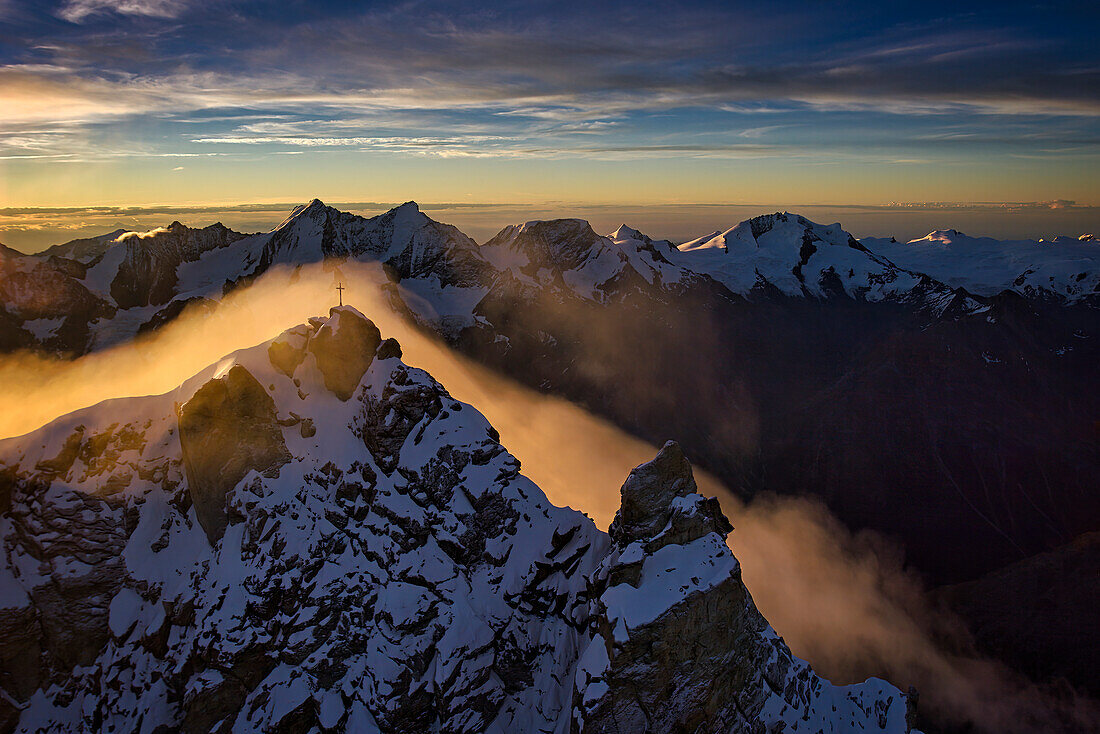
(76, 11)
(112, 79)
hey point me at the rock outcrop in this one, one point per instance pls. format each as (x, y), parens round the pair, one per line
(227, 429)
(344, 348)
(679, 644)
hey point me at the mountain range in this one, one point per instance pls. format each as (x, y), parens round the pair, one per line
(68, 298)
(939, 392)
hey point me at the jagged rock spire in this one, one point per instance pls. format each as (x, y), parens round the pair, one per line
(649, 502)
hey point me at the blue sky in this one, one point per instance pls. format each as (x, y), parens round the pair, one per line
(199, 101)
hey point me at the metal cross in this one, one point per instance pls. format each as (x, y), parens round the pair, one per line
(340, 287)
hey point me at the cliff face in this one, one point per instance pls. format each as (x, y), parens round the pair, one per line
(148, 273)
(267, 549)
(679, 644)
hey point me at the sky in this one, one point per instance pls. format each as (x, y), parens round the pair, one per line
(552, 106)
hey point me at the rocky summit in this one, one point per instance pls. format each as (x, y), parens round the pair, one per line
(311, 535)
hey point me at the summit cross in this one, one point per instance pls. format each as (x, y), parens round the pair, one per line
(340, 287)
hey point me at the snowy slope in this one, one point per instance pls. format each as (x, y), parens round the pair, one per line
(791, 255)
(84, 250)
(568, 256)
(312, 535)
(1062, 269)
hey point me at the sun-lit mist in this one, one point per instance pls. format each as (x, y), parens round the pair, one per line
(840, 601)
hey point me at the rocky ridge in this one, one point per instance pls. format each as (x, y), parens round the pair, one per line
(260, 550)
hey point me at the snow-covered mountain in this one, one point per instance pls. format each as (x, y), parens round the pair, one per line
(86, 249)
(1062, 270)
(44, 303)
(311, 535)
(566, 255)
(88, 294)
(918, 389)
(788, 254)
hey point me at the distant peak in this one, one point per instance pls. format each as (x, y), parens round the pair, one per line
(944, 234)
(410, 207)
(571, 224)
(313, 208)
(6, 251)
(176, 225)
(626, 233)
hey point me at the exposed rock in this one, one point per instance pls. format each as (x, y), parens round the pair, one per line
(63, 461)
(148, 273)
(289, 349)
(407, 243)
(344, 347)
(389, 349)
(196, 305)
(648, 496)
(215, 706)
(684, 648)
(84, 250)
(20, 653)
(60, 618)
(388, 420)
(227, 429)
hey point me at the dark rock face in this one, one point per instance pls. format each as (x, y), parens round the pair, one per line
(227, 429)
(648, 493)
(64, 622)
(20, 661)
(12, 334)
(31, 289)
(344, 348)
(148, 273)
(288, 350)
(85, 250)
(707, 661)
(172, 311)
(222, 701)
(387, 421)
(389, 349)
(559, 244)
(43, 292)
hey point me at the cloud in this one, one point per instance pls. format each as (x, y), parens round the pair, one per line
(76, 11)
(31, 94)
(419, 58)
(379, 142)
(433, 79)
(1051, 204)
